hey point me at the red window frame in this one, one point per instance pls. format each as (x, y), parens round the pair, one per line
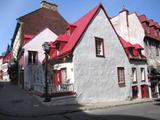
(121, 75)
(101, 41)
(33, 60)
(133, 75)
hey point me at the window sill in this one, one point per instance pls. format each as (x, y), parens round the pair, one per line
(134, 82)
(102, 56)
(121, 84)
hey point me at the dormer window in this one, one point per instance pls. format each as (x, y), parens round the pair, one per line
(130, 50)
(147, 28)
(57, 46)
(140, 52)
(155, 32)
(68, 32)
(70, 29)
(135, 53)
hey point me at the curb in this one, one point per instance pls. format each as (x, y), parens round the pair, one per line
(115, 105)
(85, 108)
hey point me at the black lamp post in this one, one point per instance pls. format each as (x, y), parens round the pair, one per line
(46, 48)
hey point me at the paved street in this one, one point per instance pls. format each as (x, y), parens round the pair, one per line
(144, 111)
(17, 104)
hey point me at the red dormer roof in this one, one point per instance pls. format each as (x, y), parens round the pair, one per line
(142, 18)
(148, 27)
(75, 31)
(151, 23)
(135, 47)
(79, 28)
(124, 43)
(62, 38)
(138, 46)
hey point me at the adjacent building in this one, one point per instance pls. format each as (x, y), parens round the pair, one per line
(29, 25)
(139, 29)
(27, 29)
(31, 61)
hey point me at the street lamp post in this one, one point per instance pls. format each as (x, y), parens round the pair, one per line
(46, 48)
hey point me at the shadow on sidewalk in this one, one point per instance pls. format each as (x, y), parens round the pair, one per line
(13, 100)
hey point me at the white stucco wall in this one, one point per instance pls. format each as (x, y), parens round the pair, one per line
(135, 35)
(69, 68)
(96, 77)
(136, 31)
(34, 74)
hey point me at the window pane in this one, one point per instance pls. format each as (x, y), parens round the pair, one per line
(142, 74)
(121, 76)
(99, 47)
(134, 74)
(32, 57)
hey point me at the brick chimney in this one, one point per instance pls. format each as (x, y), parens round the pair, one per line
(47, 5)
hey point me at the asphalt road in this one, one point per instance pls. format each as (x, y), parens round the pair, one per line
(144, 111)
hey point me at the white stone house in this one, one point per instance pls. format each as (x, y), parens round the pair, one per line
(138, 29)
(32, 58)
(90, 61)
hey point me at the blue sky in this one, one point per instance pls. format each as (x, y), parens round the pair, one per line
(71, 10)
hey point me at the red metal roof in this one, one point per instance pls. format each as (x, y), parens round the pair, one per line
(134, 47)
(142, 18)
(81, 25)
(124, 43)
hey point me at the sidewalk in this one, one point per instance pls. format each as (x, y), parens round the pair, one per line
(18, 103)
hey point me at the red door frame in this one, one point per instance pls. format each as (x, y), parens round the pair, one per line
(57, 79)
(144, 91)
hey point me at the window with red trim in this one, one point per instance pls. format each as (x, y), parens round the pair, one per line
(134, 75)
(121, 75)
(99, 47)
(155, 31)
(143, 78)
(32, 57)
(135, 52)
(147, 27)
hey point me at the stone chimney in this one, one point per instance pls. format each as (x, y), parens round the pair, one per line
(47, 5)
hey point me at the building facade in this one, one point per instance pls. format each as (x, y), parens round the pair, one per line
(31, 61)
(85, 64)
(139, 29)
(31, 24)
